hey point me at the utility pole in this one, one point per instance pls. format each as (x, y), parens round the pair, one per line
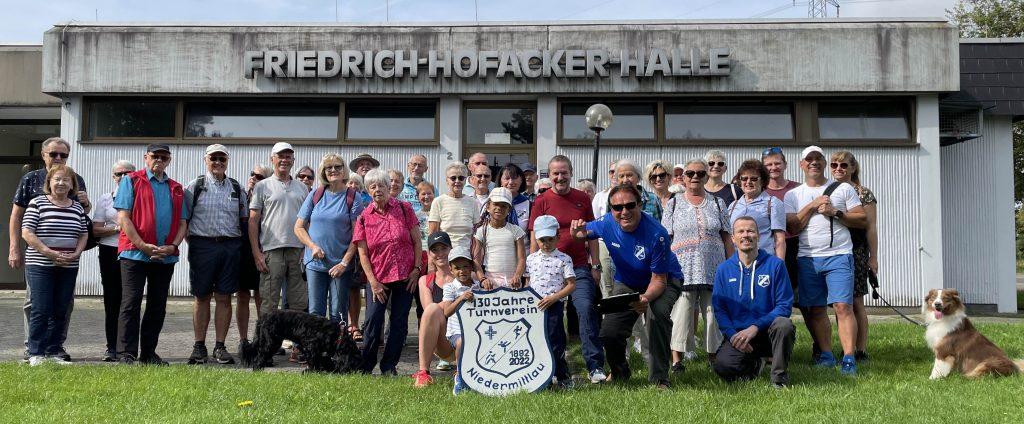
(819, 8)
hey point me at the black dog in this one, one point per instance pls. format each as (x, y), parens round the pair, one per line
(326, 345)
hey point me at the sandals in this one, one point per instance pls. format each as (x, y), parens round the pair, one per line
(356, 333)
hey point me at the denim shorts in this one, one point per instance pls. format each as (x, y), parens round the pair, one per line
(453, 340)
(825, 280)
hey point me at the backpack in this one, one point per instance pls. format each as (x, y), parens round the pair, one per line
(831, 220)
(350, 198)
(675, 197)
(236, 190)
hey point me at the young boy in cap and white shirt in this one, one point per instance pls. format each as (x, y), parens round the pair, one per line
(551, 275)
(500, 249)
(454, 293)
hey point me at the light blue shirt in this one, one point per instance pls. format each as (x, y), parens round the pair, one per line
(767, 211)
(330, 227)
(125, 200)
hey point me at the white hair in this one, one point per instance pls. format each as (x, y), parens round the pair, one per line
(122, 164)
(542, 182)
(713, 154)
(377, 176)
(629, 163)
(264, 169)
(696, 160)
(457, 166)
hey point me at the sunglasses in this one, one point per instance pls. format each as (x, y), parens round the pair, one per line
(55, 155)
(333, 168)
(619, 208)
(843, 165)
(751, 179)
(122, 173)
(222, 159)
(698, 174)
(304, 177)
(162, 158)
(257, 176)
(543, 190)
(482, 176)
(660, 176)
(771, 151)
(718, 164)
(457, 178)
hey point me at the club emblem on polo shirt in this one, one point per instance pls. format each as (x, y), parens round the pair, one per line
(762, 280)
(640, 252)
(504, 347)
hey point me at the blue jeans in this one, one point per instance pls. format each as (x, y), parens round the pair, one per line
(52, 288)
(583, 298)
(323, 288)
(373, 331)
(556, 339)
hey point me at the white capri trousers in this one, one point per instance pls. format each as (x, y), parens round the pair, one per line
(684, 321)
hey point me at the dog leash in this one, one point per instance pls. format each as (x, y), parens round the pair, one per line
(873, 281)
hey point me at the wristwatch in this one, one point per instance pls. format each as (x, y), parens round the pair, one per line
(839, 214)
(598, 267)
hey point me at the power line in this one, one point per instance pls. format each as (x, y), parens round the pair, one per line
(773, 11)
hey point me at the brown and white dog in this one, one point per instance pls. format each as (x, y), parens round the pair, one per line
(957, 343)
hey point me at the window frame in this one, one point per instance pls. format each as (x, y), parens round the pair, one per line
(729, 141)
(86, 116)
(253, 140)
(659, 124)
(909, 106)
(343, 123)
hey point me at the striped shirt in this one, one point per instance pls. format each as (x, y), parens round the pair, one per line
(218, 209)
(56, 227)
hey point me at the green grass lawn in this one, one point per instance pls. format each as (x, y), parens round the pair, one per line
(892, 388)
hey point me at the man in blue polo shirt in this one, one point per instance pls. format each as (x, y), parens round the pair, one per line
(644, 263)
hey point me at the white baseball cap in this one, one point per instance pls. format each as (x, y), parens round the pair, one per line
(501, 195)
(280, 147)
(809, 150)
(460, 252)
(545, 226)
(216, 148)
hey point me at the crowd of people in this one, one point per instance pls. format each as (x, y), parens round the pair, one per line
(716, 260)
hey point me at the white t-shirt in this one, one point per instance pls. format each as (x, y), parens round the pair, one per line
(456, 217)
(449, 293)
(814, 239)
(500, 247)
(548, 271)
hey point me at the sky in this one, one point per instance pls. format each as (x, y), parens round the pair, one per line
(25, 21)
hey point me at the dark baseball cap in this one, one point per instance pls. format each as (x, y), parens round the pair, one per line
(528, 167)
(438, 237)
(156, 147)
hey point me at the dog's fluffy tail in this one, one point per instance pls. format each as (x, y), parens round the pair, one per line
(247, 354)
(1020, 364)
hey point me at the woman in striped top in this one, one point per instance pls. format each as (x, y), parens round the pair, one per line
(55, 229)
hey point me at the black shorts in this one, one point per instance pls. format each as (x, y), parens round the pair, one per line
(792, 250)
(213, 265)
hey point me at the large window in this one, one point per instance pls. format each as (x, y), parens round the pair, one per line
(499, 124)
(261, 120)
(131, 119)
(391, 121)
(852, 120)
(632, 121)
(728, 121)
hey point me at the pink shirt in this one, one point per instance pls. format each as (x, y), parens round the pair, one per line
(386, 233)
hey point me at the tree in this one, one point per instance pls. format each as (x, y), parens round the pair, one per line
(997, 19)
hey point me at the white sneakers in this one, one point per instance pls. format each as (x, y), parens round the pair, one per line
(39, 360)
(689, 356)
(597, 376)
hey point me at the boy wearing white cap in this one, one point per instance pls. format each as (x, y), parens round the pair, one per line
(551, 275)
(453, 294)
(499, 248)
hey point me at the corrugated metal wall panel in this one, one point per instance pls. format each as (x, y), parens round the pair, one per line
(94, 161)
(970, 174)
(891, 173)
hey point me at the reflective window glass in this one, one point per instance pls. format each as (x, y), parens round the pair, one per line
(724, 121)
(499, 125)
(131, 118)
(261, 120)
(632, 121)
(385, 121)
(863, 120)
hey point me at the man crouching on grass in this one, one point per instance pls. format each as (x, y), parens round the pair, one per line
(753, 299)
(454, 293)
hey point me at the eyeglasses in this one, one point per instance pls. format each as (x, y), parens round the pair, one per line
(698, 174)
(843, 165)
(619, 208)
(417, 165)
(660, 176)
(457, 178)
(771, 151)
(482, 176)
(257, 176)
(718, 164)
(542, 190)
(222, 159)
(304, 177)
(55, 155)
(122, 173)
(334, 168)
(751, 179)
(162, 158)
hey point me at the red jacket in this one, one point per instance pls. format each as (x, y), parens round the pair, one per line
(144, 212)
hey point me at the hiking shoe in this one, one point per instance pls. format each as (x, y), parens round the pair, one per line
(36, 360)
(566, 384)
(422, 379)
(110, 356)
(849, 366)
(678, 367)
(127, 359)
(825, 360)
(26, 357)
(221, 355)
(62, 354)
(199, 354)
(443, 365)
(153, 359)
(861, 356)
(597, 376)
(459, 386)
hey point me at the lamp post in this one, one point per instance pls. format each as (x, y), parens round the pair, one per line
(599, 118)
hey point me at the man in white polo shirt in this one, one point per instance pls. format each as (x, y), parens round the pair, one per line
(820, 210)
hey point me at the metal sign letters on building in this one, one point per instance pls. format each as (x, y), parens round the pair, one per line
(480, 64)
